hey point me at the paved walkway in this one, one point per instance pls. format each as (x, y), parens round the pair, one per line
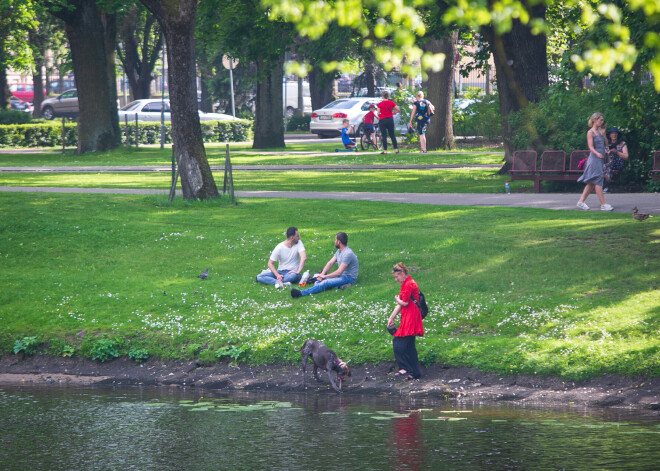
(622, 202)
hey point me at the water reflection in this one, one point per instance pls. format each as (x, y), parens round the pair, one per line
(171, 429)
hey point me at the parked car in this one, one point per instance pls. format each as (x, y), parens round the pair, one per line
(327, 121)
(67, 83)
(65, 104)
(18, 105)
(150, 110)
(23, 91)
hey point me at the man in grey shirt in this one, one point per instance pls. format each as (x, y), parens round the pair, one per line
(345, 274)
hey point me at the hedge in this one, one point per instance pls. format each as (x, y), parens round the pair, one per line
(50, 134)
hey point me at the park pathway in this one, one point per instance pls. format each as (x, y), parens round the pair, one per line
(622, 202)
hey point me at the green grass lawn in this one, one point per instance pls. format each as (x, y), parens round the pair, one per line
(510, 289)
(242, 154)
(456, 180)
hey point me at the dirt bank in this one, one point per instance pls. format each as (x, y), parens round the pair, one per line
(456, 384)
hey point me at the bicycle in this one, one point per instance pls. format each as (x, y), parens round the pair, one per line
(366, 140)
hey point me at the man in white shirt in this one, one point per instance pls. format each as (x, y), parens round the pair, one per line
(290, 256)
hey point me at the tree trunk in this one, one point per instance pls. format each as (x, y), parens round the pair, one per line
(268, 117)
(370, 79)
(320, 87)
(5, 94)
(92, 37)
(441, 129)
(206, 75)
(177, 21)
(522, 71)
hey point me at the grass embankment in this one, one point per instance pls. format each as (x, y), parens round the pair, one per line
(510, 289)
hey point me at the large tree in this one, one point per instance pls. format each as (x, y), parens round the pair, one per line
(139, 48)
(242, 29)
(92, 34)
(439, 85)
(177, 21)
(521, 69)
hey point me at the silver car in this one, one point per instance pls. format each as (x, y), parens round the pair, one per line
(327, 121)
(64, 105)
(150, 109)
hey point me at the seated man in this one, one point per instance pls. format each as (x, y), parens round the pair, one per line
(290, 256)
(346, 273)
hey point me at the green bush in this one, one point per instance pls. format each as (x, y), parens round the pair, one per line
(27, 345)
(481, 118)
(104, 350)
(50, 134)
(298, 123)
(14, 117)
(138, 354)
(559, 122)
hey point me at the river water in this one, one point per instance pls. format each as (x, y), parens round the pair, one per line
(169, 429)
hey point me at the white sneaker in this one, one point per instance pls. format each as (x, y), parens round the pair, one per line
(583, 206)
(278, 285)
(606, 207)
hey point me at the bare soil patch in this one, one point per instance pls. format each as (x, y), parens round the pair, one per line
(438, 381)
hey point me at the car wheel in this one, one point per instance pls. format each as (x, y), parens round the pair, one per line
(48, 112)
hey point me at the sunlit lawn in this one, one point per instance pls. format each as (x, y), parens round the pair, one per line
(243, 154)
(455, 180)
(510, 289)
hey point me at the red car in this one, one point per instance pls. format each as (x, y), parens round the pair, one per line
(23, 91)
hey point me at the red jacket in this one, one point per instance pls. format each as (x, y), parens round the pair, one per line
(411, 317)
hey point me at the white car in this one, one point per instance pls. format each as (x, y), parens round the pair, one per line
(327, 121)
(149, 110)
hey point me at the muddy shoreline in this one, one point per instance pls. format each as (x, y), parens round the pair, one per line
(438, 382)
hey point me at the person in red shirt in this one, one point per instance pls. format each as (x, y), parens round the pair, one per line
(386, 111)
(411, 326)
(368, 122)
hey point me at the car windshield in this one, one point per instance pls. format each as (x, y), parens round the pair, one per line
(131, 106)
(341, 104)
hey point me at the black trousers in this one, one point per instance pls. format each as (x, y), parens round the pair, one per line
(386, 125)
(405, 354)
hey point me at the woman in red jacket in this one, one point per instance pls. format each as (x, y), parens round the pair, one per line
(411, 326)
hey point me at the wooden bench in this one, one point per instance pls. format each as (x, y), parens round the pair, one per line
(553, 166)
(655, 171)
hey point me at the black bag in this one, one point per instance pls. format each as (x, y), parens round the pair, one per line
(421, 305)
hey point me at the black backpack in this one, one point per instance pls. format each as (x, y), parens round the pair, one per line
(421, 305)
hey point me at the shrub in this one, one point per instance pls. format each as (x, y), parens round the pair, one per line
(298, 123)
(138, 354)
(232, 352)
(14, 117)
(50, 134)
(481, 118)
(104, 350)
(27, 345)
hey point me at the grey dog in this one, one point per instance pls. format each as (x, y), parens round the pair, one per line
(325, 359)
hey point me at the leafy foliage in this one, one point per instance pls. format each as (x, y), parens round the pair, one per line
(298, 123)
(104, 349)
(27, 345)
(138, 354)
(482, 118)
(14, 117)
(559, 121)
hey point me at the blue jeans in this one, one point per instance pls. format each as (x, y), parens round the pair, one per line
(269, 279)
(328, 283)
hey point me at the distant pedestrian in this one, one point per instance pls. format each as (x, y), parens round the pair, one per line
(593, 170)
(421, 113)
(386, 111)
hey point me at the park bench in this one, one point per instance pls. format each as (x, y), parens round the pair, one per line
(655, 171)
(553, 166)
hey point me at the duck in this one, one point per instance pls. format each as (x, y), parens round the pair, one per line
(639, 216)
